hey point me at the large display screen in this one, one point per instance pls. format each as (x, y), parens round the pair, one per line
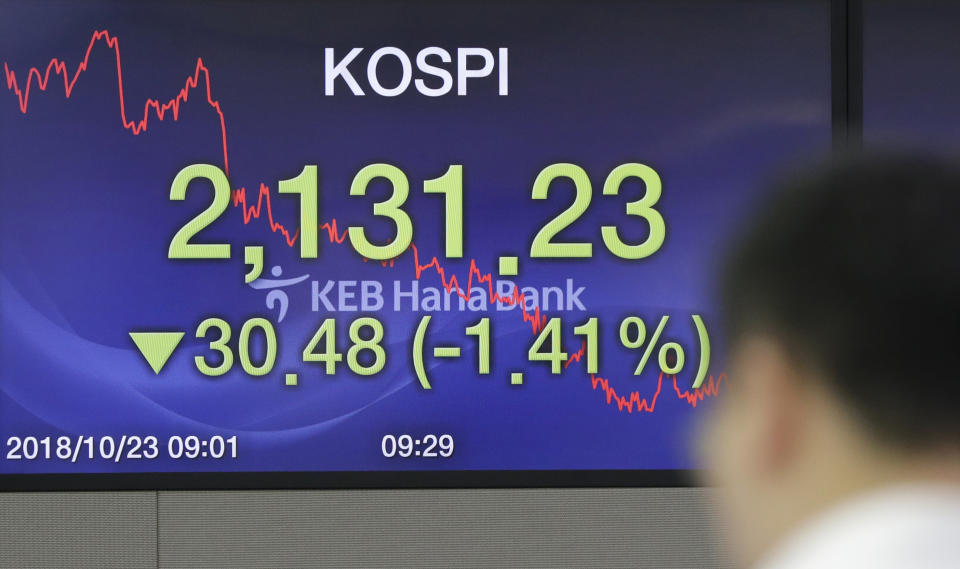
(380, 237)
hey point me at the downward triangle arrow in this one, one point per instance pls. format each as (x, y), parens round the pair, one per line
(156, 347)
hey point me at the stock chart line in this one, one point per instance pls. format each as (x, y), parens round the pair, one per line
(711, 388)
(136, 127)
(451, 283)
(635, 401)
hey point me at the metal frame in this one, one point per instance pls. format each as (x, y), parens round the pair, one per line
(341, 480)
(846, 73)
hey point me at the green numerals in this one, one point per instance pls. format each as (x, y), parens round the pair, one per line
(590, 331)
(389, 209)
(547, 346)
(555, 354)
(366, 337)
(543, 245)
(482, 331)
(306, 186)
(180, 245)
(371, 344)
(642, 208)
(451, 186)
(220, 346)
(330, 356)
(270, 338)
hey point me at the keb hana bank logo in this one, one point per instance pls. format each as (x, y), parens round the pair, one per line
(410, 296)
(347, 295)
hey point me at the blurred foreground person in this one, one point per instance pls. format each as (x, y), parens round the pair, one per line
(837, 444)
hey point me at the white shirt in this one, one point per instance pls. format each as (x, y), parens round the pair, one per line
(903, 527)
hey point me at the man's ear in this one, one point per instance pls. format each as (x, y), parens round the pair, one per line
(773, 385)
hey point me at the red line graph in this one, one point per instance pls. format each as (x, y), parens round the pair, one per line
(451, 283)
(254, 211)
(136, 127)
(635, 402)
(537, 321)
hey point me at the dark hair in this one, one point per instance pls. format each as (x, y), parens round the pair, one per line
(855, 268)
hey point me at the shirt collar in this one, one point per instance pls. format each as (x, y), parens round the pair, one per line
(916, 526)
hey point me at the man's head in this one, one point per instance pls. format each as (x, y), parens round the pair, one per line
(842, 309)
